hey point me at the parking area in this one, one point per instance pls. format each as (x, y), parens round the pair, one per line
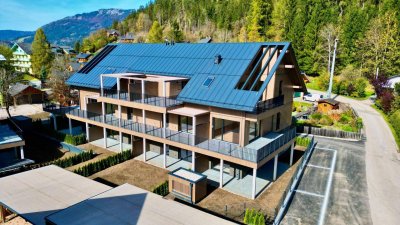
(339, 197)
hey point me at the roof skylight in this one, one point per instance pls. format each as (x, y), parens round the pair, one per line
(208, 81)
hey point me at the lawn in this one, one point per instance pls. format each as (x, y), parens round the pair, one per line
(133, 172)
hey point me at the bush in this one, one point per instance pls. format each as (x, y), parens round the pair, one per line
(360, 86)
(316, 116)
(162, 189)
(251, 217)
(326, 120)
(100, 165)
(395, 121)
(344, 118)
(75, 139)
(347, 128)
(303, 141)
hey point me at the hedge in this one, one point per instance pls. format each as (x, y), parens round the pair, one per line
(67, 138)
(76, 159)
(251, 217)
(103, 164)
(303, 141)
(162, 189)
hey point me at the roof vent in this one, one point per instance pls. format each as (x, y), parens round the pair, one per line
(217, 59)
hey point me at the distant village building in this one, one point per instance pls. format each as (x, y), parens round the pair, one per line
(25, 94)
(326, 105)
(2, 58)
(74, 66)
(31, 81)
(127, 38)
(22, 57)
(82, 57)
(113, 33)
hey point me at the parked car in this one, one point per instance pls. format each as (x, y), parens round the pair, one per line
(312, 97)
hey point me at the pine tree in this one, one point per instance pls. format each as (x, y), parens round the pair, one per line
(175, 34)
(77, 46)
(257, 20)
(41, 53)
(155, 33)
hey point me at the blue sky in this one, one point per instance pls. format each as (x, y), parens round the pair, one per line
(31, 14)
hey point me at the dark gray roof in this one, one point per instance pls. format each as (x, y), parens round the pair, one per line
(17, 88)
(329, 101)
(26, 47)
(128, 36)
(75, 66)
(83, 56)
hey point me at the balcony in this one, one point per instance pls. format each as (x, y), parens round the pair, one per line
(253, 152)
(268, 104)
(56, 108)
(139, 98)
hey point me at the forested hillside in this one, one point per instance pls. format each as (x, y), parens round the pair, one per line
(368, 30)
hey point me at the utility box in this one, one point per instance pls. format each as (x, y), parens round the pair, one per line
(187, 185)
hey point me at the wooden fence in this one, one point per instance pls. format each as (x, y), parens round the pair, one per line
(330, 133)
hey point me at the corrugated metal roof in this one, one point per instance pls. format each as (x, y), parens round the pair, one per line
(194, 61)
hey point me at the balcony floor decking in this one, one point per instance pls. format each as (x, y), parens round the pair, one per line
(112, 144)
(156, 159)
(164, 102)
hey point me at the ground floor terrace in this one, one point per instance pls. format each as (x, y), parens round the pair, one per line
(245, 179)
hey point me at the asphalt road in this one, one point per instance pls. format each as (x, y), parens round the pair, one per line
(382, 165)
(348, 199)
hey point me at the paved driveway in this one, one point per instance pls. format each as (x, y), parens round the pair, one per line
(382, 164)
(348, 199)
(24, 110)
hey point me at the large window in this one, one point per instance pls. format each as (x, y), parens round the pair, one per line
(185, 123)
(226, 130)
(253, 131)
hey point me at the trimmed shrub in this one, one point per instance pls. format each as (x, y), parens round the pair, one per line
(76, 159)
(303, 141)
(162, 189)
(251, 217)
(98, 166)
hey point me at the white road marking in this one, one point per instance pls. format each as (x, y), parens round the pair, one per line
(309, 193)
(319, 167)
(327, 190)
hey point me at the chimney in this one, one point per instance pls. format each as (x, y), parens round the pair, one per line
(217, 59)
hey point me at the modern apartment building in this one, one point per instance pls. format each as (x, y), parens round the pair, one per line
(220, 109)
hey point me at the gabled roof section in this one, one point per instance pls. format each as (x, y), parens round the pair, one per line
(224, 62)
(27, 48)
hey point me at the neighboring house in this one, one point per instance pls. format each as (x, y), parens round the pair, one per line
(327, 105)
(11, 146)
(113, 33)
(74, 66)
(2, 58)
(31, 81)
(127, 38)
(221, 109)
(205, 40)
(392, 81)
(22, 57)
(82, 57)
(67, 50)
(25, 94)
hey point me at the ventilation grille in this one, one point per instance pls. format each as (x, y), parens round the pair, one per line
(92, 63)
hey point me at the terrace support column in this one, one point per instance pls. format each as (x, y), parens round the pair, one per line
(253, 189)
(194, 130)
(194, 161)
(120, 142)
(105, 137)
(165, 93)
(87, 132)
(101, 85)
(55, 122)
(119, 115)
(144, 149)
(221, 173)
(118, 87)
(275, 166)
(144, 120)
(291, 154)
(143, 90)
(164, 125)
(21, 148)
(70, 126)
(103, 111)
(165, 156)
(2, 214)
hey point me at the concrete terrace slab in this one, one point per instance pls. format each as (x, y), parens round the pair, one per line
(112, 144)
(128, 204)
(157, 160)
(37, 193)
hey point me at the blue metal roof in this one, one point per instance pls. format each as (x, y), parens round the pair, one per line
(194, 61)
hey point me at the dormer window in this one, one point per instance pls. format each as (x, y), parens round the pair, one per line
(208, 81)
